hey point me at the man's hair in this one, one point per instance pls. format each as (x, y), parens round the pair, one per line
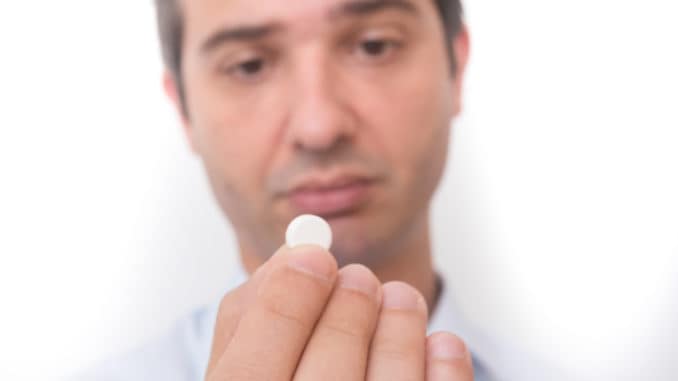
(171, 26)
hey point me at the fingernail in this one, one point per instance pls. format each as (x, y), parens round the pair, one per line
(312, 260)
(446, 347)
(359, 278)
(400, 296)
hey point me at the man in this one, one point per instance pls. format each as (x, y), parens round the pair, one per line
(338, 108)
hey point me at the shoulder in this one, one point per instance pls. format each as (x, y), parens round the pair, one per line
(180, 354)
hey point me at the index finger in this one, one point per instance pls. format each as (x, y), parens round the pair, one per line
(273, 331)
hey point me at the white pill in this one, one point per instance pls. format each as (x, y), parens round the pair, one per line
(308, 229)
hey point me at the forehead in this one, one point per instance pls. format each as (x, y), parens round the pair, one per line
(244, 11)
(202, 17)
(256, 10)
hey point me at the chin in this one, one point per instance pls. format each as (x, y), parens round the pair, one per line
(354, 244)
(359, 237)
(347, 253)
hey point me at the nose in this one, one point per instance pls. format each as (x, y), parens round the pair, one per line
(321, 116)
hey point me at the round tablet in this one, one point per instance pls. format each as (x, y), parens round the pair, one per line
(309, 230)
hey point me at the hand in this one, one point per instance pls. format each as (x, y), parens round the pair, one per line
(299, 318)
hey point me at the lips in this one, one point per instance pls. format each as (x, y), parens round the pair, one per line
(331, 198)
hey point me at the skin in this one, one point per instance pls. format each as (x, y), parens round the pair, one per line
(321, 89)
(347, 326)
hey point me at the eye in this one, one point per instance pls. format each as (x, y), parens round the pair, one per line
(248, 68)
(376, 49)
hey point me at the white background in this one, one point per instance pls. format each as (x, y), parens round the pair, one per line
(557, 222)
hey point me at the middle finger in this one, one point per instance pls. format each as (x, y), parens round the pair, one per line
(338, 349)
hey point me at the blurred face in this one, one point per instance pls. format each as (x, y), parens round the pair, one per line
(331, 107)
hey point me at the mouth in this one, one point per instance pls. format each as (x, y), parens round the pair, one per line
(331, 197)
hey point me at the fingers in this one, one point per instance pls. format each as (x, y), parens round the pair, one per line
(338, 349)
(398, 349)
(363, 331)
(447, 358)
(274, 329)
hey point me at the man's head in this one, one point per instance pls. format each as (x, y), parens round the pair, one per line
(340, 108)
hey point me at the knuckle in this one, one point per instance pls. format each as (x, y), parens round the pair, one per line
(229, 306)
(350, 315)
(290, 293)
(290, 314)
(293, 299)
(355, 308)
(404, 324)
(351, 330)
(289, 279)
(225, 304)
(395, 350)
(359, 297)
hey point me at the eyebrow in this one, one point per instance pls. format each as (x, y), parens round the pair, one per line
(368, 7)
(257, 32)
(241, 33)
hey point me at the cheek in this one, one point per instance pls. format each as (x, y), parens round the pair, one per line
(412, 129)
(235, 140)
(419, 152)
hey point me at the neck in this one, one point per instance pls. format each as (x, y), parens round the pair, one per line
(411, 262)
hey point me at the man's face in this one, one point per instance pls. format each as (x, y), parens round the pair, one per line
(331, 107)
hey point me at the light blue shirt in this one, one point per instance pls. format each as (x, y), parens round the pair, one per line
(182, 353)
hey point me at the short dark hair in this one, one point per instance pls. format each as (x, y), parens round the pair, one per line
(171, 26)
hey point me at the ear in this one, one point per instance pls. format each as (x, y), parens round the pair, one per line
(461, 48)
(172, 91)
